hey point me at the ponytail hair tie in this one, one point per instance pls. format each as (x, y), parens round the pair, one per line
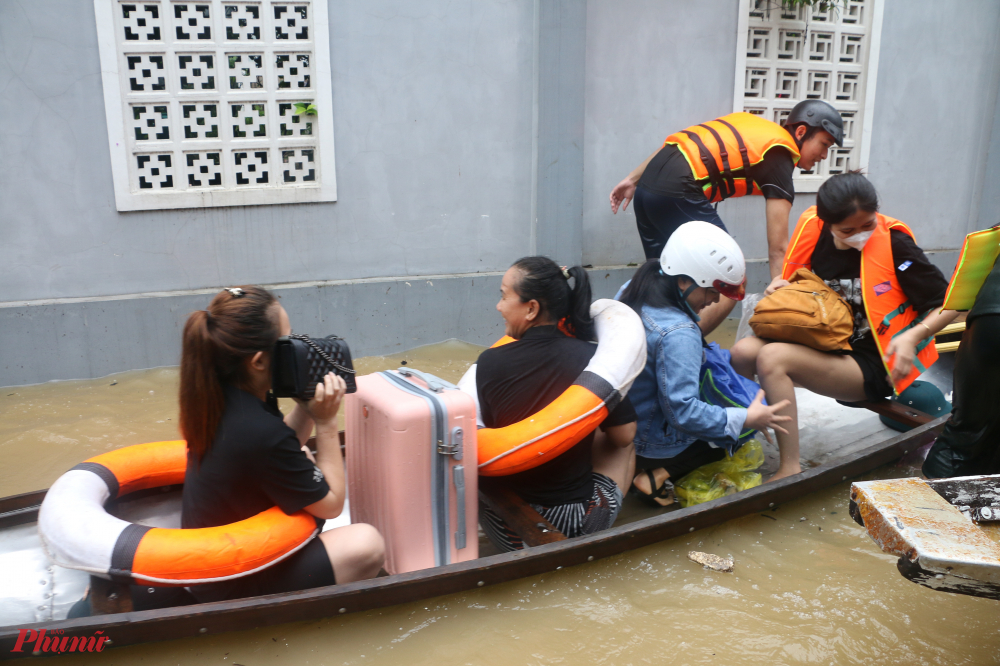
(565, 272)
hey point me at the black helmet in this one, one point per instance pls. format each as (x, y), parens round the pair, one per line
(817, 113)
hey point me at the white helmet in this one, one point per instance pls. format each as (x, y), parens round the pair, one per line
(709, 256)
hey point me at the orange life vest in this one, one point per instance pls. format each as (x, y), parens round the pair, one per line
(714, 150)
(889, 312)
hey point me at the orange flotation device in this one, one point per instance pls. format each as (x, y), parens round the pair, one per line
(78, 533)
(580, 409)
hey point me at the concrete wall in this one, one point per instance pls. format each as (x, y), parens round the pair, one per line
(935, 110)
(468, 134)
(93, 337)
(989, 205)
(938, 77)
(653, 66)
(433, 123)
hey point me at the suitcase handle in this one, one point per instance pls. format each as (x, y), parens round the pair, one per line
(435, 384)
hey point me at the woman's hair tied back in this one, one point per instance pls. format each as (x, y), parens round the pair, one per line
(547, 282)
(845, 194)
(243, 322)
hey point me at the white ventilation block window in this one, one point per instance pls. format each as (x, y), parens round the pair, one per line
(217, 103)
(827, 51)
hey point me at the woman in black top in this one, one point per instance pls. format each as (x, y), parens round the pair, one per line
(848, 206)
(244, 458)
(580, 491)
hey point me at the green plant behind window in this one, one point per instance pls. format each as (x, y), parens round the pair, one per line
(304, 109)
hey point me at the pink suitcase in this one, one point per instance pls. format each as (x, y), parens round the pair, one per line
(411, 467)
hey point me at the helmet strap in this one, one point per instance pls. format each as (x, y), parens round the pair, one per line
(684, 300)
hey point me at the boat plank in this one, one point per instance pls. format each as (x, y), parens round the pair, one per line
(20, 509)
(970, 491)
(520, 517)
(896, 411)
(947, 581)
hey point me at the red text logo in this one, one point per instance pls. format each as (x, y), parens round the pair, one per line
(37, 642)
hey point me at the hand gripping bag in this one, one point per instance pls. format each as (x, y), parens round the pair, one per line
(720, 385)
(806, 312)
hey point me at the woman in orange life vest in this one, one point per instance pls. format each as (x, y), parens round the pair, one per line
(895, 293)
(733, 156)
(244, 458)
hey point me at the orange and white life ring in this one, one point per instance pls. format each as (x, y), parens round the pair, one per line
(560, 425)
(78, 533)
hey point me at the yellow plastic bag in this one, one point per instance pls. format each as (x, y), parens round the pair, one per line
(724, 477)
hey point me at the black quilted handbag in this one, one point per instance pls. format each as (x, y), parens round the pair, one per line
(300, 362)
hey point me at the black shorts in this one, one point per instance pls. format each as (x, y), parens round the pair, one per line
(694, 456)
(573, 520)
(308, 568)
(877, 385)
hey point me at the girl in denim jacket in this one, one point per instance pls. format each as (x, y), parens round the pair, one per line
(675, 427)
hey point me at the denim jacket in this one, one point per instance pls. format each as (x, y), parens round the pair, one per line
(670, 414)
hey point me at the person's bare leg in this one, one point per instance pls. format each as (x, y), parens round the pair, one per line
(780, 366)
(713, 315)
(356, 552)
(744, 356)
(613, 461)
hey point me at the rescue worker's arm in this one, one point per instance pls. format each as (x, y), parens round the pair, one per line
(904, 346)
(777, 211)
(625, 190)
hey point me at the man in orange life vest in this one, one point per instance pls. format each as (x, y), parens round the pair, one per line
(732, 156)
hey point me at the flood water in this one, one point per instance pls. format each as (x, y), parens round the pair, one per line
(809, 586)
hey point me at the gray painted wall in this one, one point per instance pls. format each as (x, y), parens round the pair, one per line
(935, 111)
(433, 123)
(86, 338)
(468, 134)
(989, 206)
(938, 76)
(653, 67)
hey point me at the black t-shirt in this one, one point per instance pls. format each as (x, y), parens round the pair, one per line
(669, 174)
(922, 282)
(255, 463)
(988, 299)
(520, 378)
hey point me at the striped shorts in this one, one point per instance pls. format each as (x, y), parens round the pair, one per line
(596, 514)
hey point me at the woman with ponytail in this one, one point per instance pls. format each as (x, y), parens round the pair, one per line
(546, 309)
(244, 457)
(874, 263)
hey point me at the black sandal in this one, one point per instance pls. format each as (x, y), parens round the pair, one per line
(666, 491)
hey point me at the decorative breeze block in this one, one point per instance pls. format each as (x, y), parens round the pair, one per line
(810, 52)
(202, 96)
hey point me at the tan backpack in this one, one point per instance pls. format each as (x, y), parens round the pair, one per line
(807, 312)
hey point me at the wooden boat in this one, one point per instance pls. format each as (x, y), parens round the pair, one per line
(946, 532)
(550, 551)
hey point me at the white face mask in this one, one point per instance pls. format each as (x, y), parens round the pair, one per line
(858, 240)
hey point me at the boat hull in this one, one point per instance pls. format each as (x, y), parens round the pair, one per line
(145, 626)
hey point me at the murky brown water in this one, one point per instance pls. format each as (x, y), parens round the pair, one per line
(816, 591)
